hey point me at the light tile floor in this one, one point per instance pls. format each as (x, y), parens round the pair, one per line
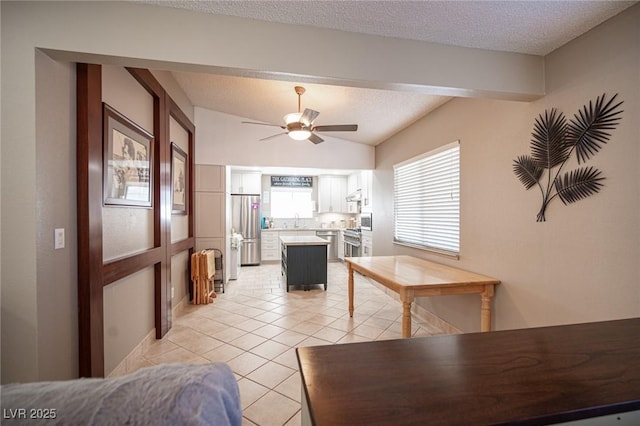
(256, 325)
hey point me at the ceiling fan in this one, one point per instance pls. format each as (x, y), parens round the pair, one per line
(299, 125)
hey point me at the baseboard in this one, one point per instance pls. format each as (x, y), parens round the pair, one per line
(131, 362)
(179, 309)
(428, 316)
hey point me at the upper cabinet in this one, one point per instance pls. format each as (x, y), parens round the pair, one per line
(367, 190)
(354, 182)
(332, 194)
(246, 183)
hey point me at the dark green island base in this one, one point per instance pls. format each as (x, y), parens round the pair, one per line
(304, 261)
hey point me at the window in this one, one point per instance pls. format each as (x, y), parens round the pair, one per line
(291, 202)
(427, 200)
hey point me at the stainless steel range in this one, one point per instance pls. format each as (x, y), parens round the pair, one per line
(352, 238)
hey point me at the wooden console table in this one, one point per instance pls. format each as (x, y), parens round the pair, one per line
(411, 277)
(535, 376)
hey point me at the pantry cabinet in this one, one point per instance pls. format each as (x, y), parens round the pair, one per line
(209, 178)
(210, 209)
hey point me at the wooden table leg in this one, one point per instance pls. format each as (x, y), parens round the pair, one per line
(350, 286)
(406, 319)
(485, 310)
(406, 297)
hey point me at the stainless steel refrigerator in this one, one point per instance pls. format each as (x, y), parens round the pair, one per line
(245, 214)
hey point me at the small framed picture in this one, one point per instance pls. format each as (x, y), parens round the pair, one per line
(179, 180)
(128, 161)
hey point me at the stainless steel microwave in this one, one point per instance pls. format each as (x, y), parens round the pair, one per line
(365, 221)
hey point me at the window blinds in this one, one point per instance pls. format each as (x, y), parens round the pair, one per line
(427, 200)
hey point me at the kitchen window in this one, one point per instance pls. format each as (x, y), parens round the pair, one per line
(427, 201)
(288, 203)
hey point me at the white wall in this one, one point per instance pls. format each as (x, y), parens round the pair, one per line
(56, 295)
(582, 263)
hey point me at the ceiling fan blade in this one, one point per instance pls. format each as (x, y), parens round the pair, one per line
(272, 136)
(315, 138)
(336, 128)
(309, 115)
(263, 124)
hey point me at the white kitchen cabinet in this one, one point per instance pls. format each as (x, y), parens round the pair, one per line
(354, 182)
(332, 194)
(246, 183)
(367, 191)
(367, 243)
(270, 245)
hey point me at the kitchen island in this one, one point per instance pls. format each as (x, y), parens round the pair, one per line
(304, 261)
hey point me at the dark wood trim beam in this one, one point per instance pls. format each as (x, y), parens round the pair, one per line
(89, 213)
(121, 268)
(147, 80)
(180, 246)
(163, 276)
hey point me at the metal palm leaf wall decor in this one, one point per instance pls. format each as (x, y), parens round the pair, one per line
(552, 143)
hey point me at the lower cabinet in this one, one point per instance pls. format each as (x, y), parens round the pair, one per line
(367, 243)
(270, 246)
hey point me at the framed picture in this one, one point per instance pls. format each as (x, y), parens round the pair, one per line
(128, 155)
(179, 174)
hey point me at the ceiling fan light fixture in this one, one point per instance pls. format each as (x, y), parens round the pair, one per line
(295, 128)
(300, 135)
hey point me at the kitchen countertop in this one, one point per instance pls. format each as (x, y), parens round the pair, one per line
(304, 241)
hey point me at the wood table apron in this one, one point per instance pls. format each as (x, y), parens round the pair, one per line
(411, 277)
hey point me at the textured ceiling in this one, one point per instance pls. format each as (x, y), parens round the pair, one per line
(533, 27)
(536, 27)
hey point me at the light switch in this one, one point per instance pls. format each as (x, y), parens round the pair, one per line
(58, 238)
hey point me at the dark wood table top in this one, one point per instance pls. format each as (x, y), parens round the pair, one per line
(532, 376)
